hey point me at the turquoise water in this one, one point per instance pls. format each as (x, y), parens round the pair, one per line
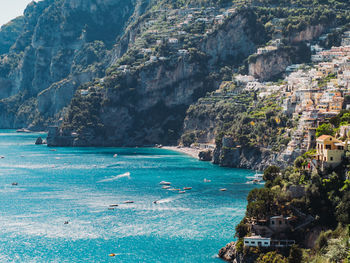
(78, 185)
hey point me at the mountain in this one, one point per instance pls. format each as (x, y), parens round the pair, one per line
(122, 72)
(62, 44)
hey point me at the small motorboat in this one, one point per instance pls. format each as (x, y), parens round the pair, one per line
(129, 202)
(166, 187)
(112, 255)
(187, 188)
(110, 208)
(113, 205)
(182, 192)
(115, 156)
(66, 222)
(14, 183)
(2, 157)
(223, 189)
(256, 181)
(207, 181)
(155, 202)
(165, 183)
(175, 189)
(23, 130)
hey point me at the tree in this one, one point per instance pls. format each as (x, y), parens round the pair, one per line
(295, 255)
(325, 129)
(271, 173)
(241, 230)
(271, 257)
(299, 161)
(343, 209)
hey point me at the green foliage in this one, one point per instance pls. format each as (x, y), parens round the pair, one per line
(242, 229)
(83, 115)
(261, 203)
(271, 173)
(271, 257)
(295, 255)
(188, 138)
(325, 129)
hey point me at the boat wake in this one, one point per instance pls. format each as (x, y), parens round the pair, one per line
(114, 178)
(170, 199)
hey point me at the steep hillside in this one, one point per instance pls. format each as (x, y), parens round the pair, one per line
(9, 34)
(145, 103)
(61, 42)
(141, 64)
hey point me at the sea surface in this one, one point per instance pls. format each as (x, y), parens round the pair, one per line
(77, 185)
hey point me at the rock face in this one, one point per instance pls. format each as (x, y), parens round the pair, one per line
(268, 65)
(153, 110)
(60, 45)
(39, 141)
(246, 157)
(229, 253)
(205, 155)
(9, 34)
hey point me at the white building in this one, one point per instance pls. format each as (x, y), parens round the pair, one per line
(257, 241)
(173, 40)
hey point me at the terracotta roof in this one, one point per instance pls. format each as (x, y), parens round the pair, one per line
(325, 137)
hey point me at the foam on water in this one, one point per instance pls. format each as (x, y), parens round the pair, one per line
(114, 178)
(78, 185)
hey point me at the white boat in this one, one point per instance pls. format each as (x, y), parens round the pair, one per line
(166, 187)
(128, 202)
(207, 181)
(165, 183)
(223, 189)
(187, 188)
(182, 192)
(256, 176)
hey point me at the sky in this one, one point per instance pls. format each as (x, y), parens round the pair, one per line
(9, 9)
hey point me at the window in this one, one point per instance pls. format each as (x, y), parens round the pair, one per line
(272, 222)
(266, 243)
(331, 158)
(328, 146)
(253, 242)
(246, 242)
(259, 243)
(280, 222)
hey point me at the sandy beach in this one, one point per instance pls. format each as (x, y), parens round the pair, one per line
(187, 150)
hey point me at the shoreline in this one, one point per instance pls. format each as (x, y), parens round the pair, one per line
(186, 150)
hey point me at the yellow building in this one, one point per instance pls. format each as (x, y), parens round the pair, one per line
(329, 150)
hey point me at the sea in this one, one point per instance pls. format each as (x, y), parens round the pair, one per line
(55, 204)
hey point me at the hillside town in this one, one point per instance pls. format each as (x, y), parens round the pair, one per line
(311, 95)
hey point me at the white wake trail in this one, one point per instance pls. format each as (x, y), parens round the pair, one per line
(114, 178)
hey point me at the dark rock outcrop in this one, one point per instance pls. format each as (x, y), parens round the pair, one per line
(39, 141)
(206, 155)
(229, 253)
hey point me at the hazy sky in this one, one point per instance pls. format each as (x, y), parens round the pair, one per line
(10, 9)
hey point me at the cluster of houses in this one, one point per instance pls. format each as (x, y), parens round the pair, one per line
(311, 96)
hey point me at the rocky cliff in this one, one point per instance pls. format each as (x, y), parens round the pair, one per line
(62, 45)
(146, 105)
(271, 64)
